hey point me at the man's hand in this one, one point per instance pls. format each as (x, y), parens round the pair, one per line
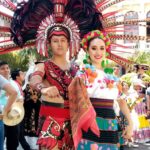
(51, 92)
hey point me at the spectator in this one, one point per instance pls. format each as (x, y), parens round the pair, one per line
(12, 94)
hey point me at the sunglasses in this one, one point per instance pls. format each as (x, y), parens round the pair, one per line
(144, 68)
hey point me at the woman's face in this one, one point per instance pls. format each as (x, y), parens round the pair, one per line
(96, 50)
(138, 88)
(125, 87)
(59, 45)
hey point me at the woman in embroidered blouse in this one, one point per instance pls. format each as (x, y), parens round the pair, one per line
(102, 91)
(52, 78)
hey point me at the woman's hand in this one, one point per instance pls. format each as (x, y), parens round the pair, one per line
(51, 92)
(128, 132)
(148, 114)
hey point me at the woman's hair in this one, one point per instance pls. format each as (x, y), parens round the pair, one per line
(89, 42)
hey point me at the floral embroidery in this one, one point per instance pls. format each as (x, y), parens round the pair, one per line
(89, 71)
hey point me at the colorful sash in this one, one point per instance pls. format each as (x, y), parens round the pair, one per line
(82, 113)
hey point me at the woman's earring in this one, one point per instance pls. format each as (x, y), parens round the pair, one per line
(87, 59)
(104, 63)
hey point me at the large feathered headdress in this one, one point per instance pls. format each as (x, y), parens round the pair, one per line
(33, 20)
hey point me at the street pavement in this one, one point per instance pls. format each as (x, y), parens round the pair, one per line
(141, 147)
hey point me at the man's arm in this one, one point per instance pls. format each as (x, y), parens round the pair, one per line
(127, 133)
(148, 102)
(36, 81)
(12, 95)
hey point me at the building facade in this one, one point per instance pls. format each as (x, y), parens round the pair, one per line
(129, 10)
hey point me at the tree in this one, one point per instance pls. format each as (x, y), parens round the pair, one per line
(141, 57)
(22, 59)
(15, 60)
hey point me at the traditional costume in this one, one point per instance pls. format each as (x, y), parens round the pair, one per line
(102, 91)
(45, 19)
(138, 106)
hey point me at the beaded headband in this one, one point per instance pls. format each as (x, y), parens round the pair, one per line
(93, 34)
(58, 31)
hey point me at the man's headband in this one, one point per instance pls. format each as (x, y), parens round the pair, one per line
(58, 31)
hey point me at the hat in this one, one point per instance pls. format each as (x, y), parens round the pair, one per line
(142, 66)
(15, 115)
(139, 82)
(70, 18)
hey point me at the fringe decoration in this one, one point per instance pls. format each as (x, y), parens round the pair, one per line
(12, 47)
(8, 4)
(130, 22)
(109, 5)
(4, 29)
(4, 35)
(127, 37)
(122, 61)
(5, 16)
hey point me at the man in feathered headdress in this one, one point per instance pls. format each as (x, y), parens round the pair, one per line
(57, 25)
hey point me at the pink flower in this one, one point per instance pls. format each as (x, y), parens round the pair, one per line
(94, 147)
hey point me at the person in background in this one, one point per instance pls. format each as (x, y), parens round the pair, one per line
(117, 71)
(11, 132)
(142, 135)
(51, 78)
(140, 70)
(18, 76)
(148, 102)
(5, 106)
(148, 109)
(32, 105)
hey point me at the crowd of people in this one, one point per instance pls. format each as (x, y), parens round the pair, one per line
(67, 106)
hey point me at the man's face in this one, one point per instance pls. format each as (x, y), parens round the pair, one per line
(138, 88)
(21, 76)
(59, 45)
(116, 70)
(141, 70)
(125, 86)
(5, 71)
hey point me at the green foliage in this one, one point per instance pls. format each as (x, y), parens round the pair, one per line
(141, 57)
(21, 59)
(15, 60)
(32, 53)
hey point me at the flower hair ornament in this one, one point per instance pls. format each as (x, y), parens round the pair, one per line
(93, 34)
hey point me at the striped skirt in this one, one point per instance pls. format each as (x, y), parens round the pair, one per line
(108, 125)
